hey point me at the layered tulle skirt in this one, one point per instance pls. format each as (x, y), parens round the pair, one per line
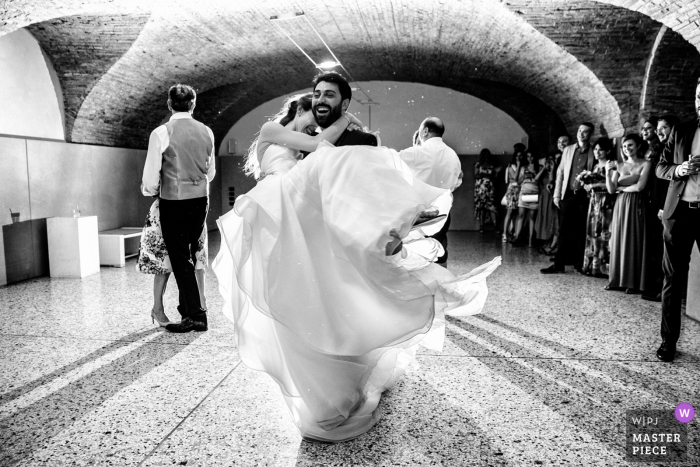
(316, 302)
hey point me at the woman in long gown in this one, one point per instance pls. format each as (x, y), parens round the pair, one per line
(628, 227)
(546, 215)
(596, 256)
(317, 302)
(658, 187)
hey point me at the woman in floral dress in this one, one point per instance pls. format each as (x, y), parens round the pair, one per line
(153, 259)
(600, 211)
(514, 177)
(484, 173)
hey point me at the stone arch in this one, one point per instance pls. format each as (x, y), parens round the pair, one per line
(473, 41)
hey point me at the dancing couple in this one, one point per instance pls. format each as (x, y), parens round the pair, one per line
(330, 285)
(325, 266)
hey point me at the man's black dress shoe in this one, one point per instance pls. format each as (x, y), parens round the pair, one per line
(552, 270)
(651, 298)
(191, 323)
(666, 352)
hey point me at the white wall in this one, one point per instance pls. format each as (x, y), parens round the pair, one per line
(471, 124)
(32, 101)
(41, 175)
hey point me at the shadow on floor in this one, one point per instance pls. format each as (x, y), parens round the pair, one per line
(593, 394)
(31, 427)
(419, 426)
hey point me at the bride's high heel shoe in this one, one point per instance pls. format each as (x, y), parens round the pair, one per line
(161, 324)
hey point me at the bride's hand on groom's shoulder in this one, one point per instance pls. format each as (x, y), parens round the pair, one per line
(355, 123)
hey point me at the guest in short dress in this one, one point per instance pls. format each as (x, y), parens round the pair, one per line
(630, 181)
(529, 188)
(484, 208)
(596, 258)
(153, 259)
(514, 173)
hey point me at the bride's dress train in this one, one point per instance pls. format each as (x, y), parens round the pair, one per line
(316, 302)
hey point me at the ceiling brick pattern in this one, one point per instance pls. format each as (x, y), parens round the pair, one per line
(550, 64)
(448, 45)
(672, 78)
(82, 50)
(614, 43)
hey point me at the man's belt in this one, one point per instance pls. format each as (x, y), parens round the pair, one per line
(694, 205)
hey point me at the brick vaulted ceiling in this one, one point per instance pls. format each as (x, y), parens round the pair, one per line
(550, 64)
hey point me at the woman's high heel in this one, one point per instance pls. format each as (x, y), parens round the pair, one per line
(154, 320)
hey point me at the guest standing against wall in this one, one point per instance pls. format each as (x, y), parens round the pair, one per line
(179, 167)
(628, 249)
(527, 207)
(513, 174)
(546, 224)
(653, 277)
(484, 173)
(550, 248)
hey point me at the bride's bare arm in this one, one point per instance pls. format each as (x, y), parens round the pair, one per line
(272, 132)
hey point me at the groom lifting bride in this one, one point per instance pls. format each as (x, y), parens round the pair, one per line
(319, 299)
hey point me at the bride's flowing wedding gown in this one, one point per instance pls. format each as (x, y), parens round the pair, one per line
(316, 303)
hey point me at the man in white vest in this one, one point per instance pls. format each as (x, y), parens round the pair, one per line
(436, 164)
(179, 167)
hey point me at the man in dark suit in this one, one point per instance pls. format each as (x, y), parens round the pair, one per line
(680, 163)
(572, 200)
(331, 98)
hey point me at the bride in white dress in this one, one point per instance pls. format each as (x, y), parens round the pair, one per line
(316, 301)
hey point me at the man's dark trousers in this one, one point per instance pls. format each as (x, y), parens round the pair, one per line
(182, 222)
(572, 230)
(681, 232)
(441, 237)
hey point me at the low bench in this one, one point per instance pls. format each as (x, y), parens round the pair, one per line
(112, 249)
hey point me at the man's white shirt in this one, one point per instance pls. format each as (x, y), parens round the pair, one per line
(433, 163)
(157, 144)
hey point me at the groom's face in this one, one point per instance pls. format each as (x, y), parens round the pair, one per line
(327, 104)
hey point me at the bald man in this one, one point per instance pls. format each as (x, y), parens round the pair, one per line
(435, 163)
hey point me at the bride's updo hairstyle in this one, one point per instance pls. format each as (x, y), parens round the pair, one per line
(182, 97)
(283, 117)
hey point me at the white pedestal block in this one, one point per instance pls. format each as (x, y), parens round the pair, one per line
(73, 246)
(692, 305)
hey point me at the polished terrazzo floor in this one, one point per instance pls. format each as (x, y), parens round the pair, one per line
(543, 377)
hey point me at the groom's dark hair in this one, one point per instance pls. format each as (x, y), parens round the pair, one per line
(335, 78)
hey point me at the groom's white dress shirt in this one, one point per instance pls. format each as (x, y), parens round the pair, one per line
(434, 163)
